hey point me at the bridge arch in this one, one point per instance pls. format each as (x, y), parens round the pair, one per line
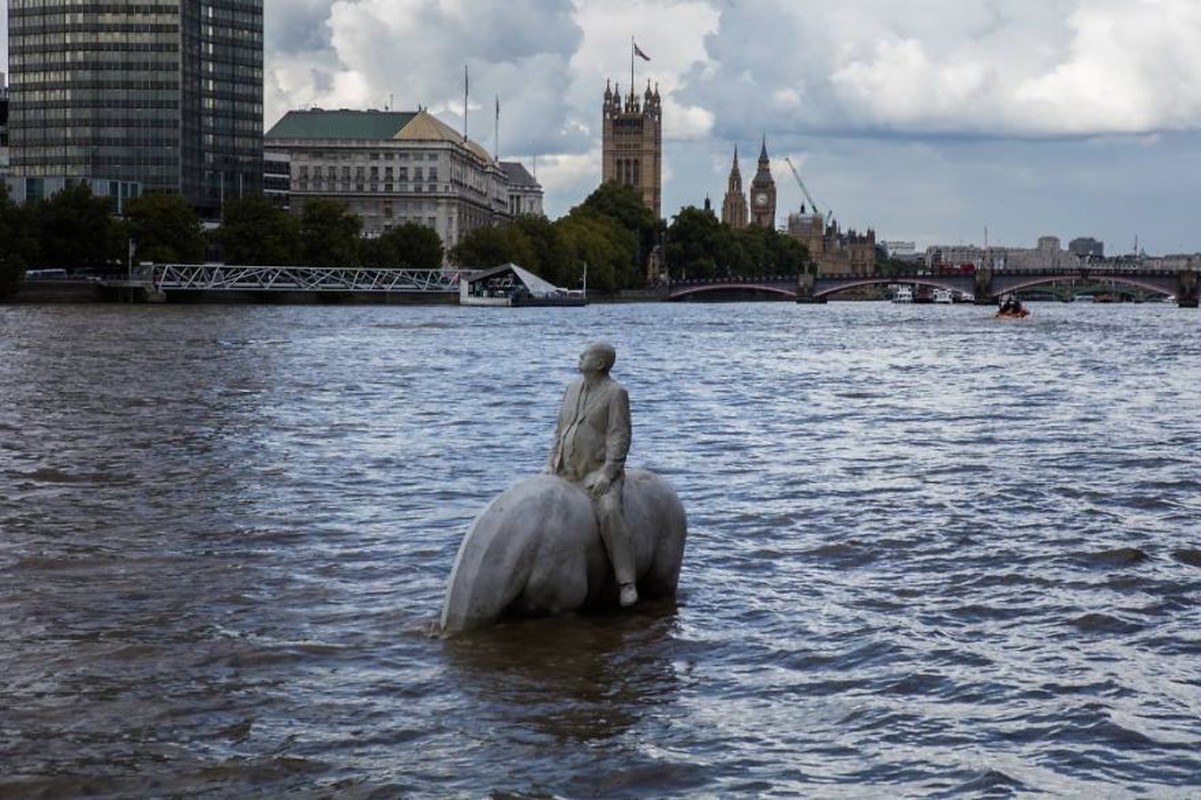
(826, 288)
(1011, 283)
(685, 291)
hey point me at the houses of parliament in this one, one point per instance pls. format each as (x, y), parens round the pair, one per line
(632, 154)
(835, 252)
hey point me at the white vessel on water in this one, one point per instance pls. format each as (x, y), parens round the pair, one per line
(944, 296)
(902, 294)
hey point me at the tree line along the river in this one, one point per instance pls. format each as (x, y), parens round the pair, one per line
(611, 232)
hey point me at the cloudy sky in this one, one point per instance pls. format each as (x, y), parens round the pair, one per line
(934, 121)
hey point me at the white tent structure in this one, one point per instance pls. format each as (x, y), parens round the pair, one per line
(510, 285)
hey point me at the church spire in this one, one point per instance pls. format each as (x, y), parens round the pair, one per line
(733, 207)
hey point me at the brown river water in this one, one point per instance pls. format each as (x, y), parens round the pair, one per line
(930, 554)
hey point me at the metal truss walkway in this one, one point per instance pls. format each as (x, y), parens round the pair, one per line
(218, 277)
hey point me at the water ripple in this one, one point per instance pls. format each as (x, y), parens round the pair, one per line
(929, 556)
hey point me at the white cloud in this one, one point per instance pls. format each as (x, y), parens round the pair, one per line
(1053, 68)
(922, 118)
(1128, 69)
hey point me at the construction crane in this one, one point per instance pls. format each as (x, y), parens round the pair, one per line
(801, 183)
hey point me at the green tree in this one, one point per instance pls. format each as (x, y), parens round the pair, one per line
(749, 255)
(164, 229)
(18, 246)
(552, 258)
(72, 229)
(329, 234)
(407, 246)
(256, 232)
(604, 246)
(623, 206)
(696, 242)
(493, 245)
(789, 256)
(760, 251)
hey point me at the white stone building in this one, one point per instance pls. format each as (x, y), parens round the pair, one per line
(393, 167)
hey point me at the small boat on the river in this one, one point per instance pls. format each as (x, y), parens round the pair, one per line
(1011, 308)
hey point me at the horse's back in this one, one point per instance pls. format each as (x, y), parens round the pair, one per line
(536, 549)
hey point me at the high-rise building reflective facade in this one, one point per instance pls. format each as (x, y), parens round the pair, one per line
(166, 93)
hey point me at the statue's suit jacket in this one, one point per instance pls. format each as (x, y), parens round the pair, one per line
(599, 437)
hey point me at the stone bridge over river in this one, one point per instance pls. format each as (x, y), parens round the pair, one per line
(986, 286)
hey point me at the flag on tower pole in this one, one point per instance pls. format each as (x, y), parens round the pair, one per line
(635, 51)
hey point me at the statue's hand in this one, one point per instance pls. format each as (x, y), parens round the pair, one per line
(597, 483)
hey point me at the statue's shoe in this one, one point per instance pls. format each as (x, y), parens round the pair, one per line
(629, 595)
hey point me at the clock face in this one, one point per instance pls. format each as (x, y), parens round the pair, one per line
(761, 199)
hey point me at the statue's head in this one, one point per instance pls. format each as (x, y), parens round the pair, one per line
(599, 356)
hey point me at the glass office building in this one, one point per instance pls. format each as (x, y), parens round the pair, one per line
(165, 94)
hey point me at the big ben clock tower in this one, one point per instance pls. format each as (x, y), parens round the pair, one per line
(763, 193)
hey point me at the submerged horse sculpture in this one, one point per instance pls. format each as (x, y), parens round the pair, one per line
(536, 549)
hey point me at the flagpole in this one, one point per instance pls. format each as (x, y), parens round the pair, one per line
(465, 85)
(496, 137)
(632, 46)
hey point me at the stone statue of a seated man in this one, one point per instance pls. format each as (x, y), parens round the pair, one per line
(592, 439)
(558, 542)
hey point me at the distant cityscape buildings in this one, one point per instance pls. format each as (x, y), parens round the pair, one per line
(3, 126)
(763, 192)
(762, 205)
(733, 205)
(834, 252)
(1087, 248)
(395, 167)
(167, 95)
(632, 142)
(160, 95)
(1047, 254)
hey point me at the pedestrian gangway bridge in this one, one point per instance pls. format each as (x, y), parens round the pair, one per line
(167, 278)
